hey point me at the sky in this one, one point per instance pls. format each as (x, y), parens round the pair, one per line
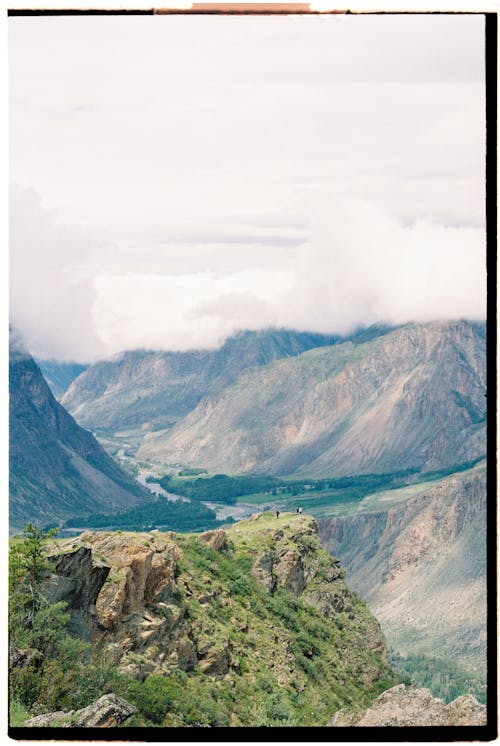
(177, 178)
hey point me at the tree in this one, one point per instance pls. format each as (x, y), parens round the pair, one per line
(45, 654)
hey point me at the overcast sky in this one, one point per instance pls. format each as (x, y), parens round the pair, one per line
(177, 178)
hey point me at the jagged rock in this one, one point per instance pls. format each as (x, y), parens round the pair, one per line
(289, 571)
(408, 706)
(216, 661)
(77, 580)
(184, 654)
(263, 571)
(106, 712)
(216, 539)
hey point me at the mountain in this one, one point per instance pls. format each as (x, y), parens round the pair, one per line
(57, 469)
(417, 556)
(148, 390)
(59, 375)
(411, 398)
(253, 626)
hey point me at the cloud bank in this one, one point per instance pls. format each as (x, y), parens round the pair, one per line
(358, 266)
(196, 176)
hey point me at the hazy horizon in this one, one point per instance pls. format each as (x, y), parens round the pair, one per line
(176, 179)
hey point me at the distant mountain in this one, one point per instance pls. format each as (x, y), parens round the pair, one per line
(57, 469)
(413, 397)
(59, 375)
(417, 556)
(149, 390)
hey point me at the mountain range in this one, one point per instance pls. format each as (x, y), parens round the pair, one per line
(147, 390)
(287, 403)
(411, 398)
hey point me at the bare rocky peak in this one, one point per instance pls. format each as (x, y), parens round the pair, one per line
(409, 707)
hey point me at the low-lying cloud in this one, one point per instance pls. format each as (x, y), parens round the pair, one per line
(358, 266)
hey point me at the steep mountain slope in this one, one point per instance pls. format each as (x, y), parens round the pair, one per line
(418, 558)
(411, 398)
(253, 626)
(59, 375)
(149, 390)
(57, 469)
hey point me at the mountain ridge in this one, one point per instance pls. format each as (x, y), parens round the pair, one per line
(56, 468)
(149, 389)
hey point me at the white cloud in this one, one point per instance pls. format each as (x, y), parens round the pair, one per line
(224, 173)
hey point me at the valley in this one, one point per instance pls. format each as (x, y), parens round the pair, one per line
(379, 439)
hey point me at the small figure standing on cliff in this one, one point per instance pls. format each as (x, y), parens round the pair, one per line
(299, 510)
(277, 514)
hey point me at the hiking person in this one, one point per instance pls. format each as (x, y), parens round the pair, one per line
(277, 514)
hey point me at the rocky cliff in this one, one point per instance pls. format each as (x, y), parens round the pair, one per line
(57, 469)
(410, 398)
(418, 558)
(261, 607)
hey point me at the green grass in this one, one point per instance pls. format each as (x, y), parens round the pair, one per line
(358, 494)
(17, 714)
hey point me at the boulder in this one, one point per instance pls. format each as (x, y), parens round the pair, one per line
(106, 712)
(216, 539)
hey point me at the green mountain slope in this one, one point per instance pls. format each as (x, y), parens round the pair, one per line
(411, 398)
(148, 390)
(57, 469)
(254, 626)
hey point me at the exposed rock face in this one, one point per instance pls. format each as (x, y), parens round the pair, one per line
(408, 706)
(420, 564)
(57, 469)
(411, 398)
(215, 539)
(108, 711)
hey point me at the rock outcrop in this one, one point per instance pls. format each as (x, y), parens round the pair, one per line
(108, 711)
(159, 603)
(409, 707)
